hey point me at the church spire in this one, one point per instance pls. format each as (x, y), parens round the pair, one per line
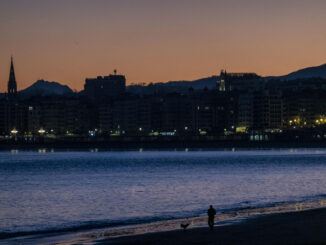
(12, 85)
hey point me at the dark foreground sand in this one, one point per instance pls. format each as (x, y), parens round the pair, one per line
(305, 227)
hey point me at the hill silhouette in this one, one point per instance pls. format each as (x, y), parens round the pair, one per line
(309, 72)
(45, 88)
(174, 86)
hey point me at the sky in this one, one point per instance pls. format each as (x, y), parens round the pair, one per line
(157, 41)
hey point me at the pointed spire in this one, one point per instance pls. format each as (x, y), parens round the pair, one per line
(12, 85)
(12, 71)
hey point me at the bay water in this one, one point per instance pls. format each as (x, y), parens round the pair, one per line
(48, 191)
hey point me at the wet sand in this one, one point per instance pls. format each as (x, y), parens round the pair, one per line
(302, 227)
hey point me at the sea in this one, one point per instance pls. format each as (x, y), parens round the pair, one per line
(59, 193)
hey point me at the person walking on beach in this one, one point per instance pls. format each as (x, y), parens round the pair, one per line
(211, 214)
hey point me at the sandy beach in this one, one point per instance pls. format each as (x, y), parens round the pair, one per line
(302, 227)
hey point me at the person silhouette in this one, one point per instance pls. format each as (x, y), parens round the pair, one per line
(211, 213)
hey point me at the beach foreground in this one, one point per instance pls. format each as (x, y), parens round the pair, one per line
(305, 227)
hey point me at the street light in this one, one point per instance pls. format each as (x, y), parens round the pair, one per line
(41, 131)
(14, 131)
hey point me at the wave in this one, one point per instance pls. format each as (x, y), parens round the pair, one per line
(91, 225)
(172, 221)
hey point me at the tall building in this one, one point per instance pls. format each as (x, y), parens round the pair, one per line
(12, 85)
(105, 87)
(240, 82)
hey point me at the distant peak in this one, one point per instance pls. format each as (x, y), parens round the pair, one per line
(308, 72)
(42, 87)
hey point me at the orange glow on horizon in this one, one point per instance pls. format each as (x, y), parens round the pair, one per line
(156, 41)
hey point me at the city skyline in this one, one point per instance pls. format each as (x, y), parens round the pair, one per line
(151, 41)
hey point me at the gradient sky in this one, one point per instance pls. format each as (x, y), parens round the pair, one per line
(157, 41)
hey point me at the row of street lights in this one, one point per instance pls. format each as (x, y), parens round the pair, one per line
(14, 132)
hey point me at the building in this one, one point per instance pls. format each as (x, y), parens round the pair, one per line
(33, 119)
(105, 118)
(55, 115)
(240, 82)
(176, 113)
(301, 108)
(245, 112)
(4, 129)
(107, 87)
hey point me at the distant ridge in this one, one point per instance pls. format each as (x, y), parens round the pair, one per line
(175, 86)
(309, 72)
(210, 82)
(45, 88)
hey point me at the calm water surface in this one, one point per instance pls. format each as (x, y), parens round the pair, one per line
(70, 190)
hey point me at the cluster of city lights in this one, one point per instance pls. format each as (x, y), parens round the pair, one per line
(296, 121)
(299, 122)
(320, 121)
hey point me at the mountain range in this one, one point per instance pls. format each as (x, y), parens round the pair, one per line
(210, 82)
(45, 88)
(174, 86)
(310, 72)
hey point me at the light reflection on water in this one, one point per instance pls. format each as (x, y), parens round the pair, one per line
(48, 189)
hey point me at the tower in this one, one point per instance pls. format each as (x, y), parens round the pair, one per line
(12, 85)
(222, 86)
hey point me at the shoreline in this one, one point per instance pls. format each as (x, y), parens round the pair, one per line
(206, 142)
(303, 227)
(145, 233)
(241, 221)
(104, 146)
